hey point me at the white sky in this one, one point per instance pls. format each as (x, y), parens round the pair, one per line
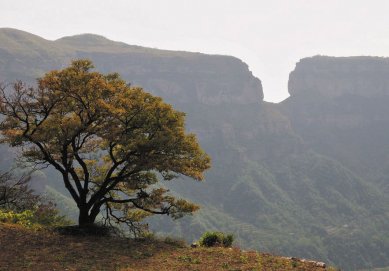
(270, 36)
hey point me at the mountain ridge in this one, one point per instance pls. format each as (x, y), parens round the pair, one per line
(218, 66)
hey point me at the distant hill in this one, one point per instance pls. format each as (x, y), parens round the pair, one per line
(306, 177)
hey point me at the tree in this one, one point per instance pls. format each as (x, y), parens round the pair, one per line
(15, 193)
(111, 142)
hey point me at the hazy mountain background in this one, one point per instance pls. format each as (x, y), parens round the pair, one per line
(307, 177)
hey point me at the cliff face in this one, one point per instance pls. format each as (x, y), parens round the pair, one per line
(186, 78)
(340, 107)
(331, 77)
(181, 77)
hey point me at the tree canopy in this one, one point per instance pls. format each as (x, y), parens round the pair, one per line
(111, 142)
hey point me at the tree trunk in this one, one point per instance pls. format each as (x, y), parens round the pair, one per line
(84, 219)
(87, 215)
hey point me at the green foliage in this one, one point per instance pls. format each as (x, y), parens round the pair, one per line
(20, 205)
(24, 218)
(111, 142)
(42, 216)
(212, 239)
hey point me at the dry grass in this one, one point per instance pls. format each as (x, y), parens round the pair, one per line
(23, 249)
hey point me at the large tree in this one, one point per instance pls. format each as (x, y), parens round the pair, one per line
(110, 142)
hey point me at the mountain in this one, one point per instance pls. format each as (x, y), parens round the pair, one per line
(305, 177)
(180, 77)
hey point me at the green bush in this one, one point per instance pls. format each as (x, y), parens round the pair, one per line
(213, 239)
(24, 218)
(39, 217)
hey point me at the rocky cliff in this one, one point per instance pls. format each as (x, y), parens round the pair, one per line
(330, 77)
(339, 106)
(181, 77)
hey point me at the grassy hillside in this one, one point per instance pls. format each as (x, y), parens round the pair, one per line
(23, 249)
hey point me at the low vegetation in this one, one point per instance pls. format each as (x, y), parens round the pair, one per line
(41, 217)
(214, 239)
(21, 205)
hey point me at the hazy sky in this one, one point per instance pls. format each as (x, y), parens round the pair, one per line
(270, 36)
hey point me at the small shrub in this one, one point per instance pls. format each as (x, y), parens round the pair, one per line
(39, 217)
(189, 259)
(20, 205)
(213, 239)
(228, 240)
(24, 218)
(244, 258)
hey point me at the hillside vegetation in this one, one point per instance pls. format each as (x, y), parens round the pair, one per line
(23, 249)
